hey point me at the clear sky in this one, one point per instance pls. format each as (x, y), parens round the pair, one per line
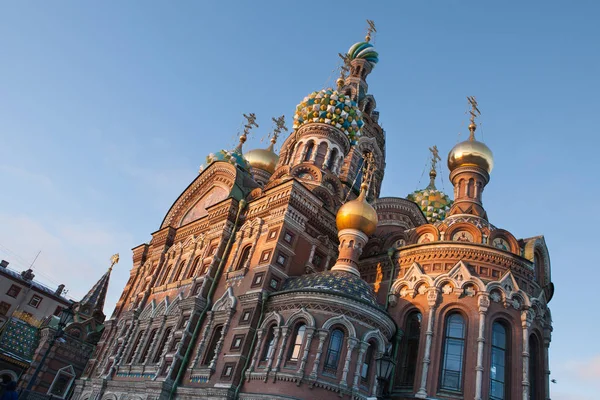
(107, 109)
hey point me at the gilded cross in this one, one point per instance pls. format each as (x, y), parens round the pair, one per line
(435, 157)
(279, 127)
(250, 122)
(474, 111)
(370, 30)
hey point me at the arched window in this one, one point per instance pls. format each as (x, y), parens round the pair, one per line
(163, 344)
(296, 346)
(268, 343)
(309, 150)
(149, 342)
(212, 346)
(453, 363)
(365, 370)
(535, 392)
(244, 257)
(194, 268)
(165, 277)
(499, 362)
(334, 352)
(180, 267)
(135, 346)
(332, 159)
(409, 350)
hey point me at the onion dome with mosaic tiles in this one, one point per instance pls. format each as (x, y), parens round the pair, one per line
(328, 106)
(434, 203)
(235, 156)
(336, 282)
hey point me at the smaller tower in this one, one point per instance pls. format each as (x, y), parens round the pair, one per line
(356, 221)
(470, 163)
(264, 161)
(92, 304)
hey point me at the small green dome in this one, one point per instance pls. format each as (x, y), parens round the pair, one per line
(234, 157)
(330, 107)
(434, 203)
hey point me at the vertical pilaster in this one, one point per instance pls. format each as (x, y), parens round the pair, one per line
(322, 336)
(350, 345)
(547, 339)
(310, 332)
(483, 303)
(362, 349)
(432, 297)
(526, 318)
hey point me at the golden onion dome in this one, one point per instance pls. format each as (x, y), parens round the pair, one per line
(471, 153)
(357, 214)
(264, 159)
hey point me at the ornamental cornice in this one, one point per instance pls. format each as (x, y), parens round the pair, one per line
(367, 316)
(468, 252)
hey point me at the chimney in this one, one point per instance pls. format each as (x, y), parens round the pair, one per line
(3, 263)
(59, 289)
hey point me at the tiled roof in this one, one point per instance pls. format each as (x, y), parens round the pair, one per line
(337, 282)
(19, 340)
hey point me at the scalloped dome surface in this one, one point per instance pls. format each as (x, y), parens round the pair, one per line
(365, 51)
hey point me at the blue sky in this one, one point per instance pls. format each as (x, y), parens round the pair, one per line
(107, 110)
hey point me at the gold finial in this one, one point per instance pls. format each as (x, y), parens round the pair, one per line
(368, 172)
(370, 30)
(279, 126)
(435, 157)
(113, 260)
(344, 70)
(474, 111)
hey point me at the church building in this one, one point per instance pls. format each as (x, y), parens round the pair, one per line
(287, 276)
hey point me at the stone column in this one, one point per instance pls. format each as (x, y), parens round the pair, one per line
(322, 336)
(526, 319)
(285, 332)
(272, 348)
(359, 362)
(256, 351)
(313, 156)
(327, 156)
(350, 345)
(547, 339)
(310, 332)
(483, 303)
(432, 297)
(203, 340)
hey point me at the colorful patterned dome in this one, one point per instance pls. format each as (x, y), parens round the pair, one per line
(365, 51)
(434, 203)
(330, 107)
(337, 282)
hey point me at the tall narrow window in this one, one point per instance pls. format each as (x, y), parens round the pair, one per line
(165, 278)
(498, 363)
(309, 150)
(181, 270)
(334, 351)
(163, 344)
(193, 270)
(269, 342)
(149, 342)
(212, 347)
(332, 158)
(244, 257)
(409, 350)
(534, 368)
(135, 346)
(454, 349)
(365, 369)
(294, 352)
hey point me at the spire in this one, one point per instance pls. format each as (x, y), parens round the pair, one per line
(435, 157)
(97, 295)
